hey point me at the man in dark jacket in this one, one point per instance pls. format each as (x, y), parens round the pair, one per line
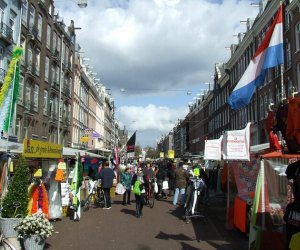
(107, 175)
(180, 183)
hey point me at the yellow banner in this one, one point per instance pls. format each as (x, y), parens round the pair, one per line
(161, 154)
(62, 165)
(171, 154)
(84, 139)
(40, 149)
(38, 173)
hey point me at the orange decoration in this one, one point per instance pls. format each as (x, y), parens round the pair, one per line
(59, 175)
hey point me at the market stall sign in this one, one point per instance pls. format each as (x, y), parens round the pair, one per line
(84, 139)
(88, 131)
(40, 149)
(161, 154)
(62, 165)
(171, 154)
(38, 173)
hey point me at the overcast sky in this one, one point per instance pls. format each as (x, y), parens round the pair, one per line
(156, 51)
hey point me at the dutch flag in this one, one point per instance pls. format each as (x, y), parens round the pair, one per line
(269, 54)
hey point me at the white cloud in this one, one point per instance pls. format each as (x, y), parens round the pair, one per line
(155, 44)
(161, 42)
(150, 117)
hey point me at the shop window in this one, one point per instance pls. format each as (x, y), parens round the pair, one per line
(39, 26)
(298, 76)
(24, 12)
(21, 89)
(48, 36)
(45, 102)
(297, 36)
(31, 15)
(288, 54)
(18, 128)
(36, 97)
(47, 64)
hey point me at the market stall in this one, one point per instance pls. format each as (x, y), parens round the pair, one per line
(271, 198)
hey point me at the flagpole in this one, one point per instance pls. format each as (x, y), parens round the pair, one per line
(14, 77)
(10, 106)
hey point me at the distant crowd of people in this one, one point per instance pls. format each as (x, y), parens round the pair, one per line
(175, 174)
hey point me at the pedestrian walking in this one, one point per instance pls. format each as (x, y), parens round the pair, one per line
(181, 176)
(171, 177)
(107, 176)
(139, 179)
(126, 182)
(161, 174)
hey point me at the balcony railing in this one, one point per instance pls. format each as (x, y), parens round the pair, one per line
(55, 53)
(29, 107)
(66, 91)
(33, 32)
(43, 5)
(66, 121)
(54, 85)
(52, 116)
(30, 69)
(6, 33)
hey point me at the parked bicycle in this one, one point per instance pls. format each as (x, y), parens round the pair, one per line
(4, 242)
(194, 192)
(150, 194)
(96, 195)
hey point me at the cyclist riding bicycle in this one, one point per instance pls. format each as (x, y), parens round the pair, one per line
(195, 190)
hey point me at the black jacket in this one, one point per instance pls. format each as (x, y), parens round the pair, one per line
(107, 175)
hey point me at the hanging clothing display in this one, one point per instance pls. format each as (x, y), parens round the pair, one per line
(270, 121)
(55, 207)
(281, 125)
(38, 199)
(293, 120)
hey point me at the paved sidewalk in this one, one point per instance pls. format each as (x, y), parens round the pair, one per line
(160, 228)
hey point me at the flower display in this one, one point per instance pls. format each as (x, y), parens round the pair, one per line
(35, 224)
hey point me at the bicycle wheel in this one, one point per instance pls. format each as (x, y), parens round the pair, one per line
(188, 211)
(87, 202)
(6, 245)
(101, 199)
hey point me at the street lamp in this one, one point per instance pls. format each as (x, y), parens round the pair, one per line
(60, 89)
(82, 3)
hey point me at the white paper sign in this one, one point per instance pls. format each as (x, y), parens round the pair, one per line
(212, 150)
(65, 193)
(236, 144)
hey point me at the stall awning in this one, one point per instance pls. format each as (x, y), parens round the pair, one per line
(13, 147)
(259, 147)
(73, 151)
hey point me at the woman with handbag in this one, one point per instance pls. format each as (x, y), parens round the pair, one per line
(139, 183)
(126, 182)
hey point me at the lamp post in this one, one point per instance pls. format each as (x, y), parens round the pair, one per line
(60, 88)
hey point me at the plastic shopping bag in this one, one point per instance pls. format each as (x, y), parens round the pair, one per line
(165, 185)
(120, 189)
(155, 187)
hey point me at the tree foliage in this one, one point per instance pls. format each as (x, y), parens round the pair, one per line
(137, 151)
(17, 191)
(152, 153)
